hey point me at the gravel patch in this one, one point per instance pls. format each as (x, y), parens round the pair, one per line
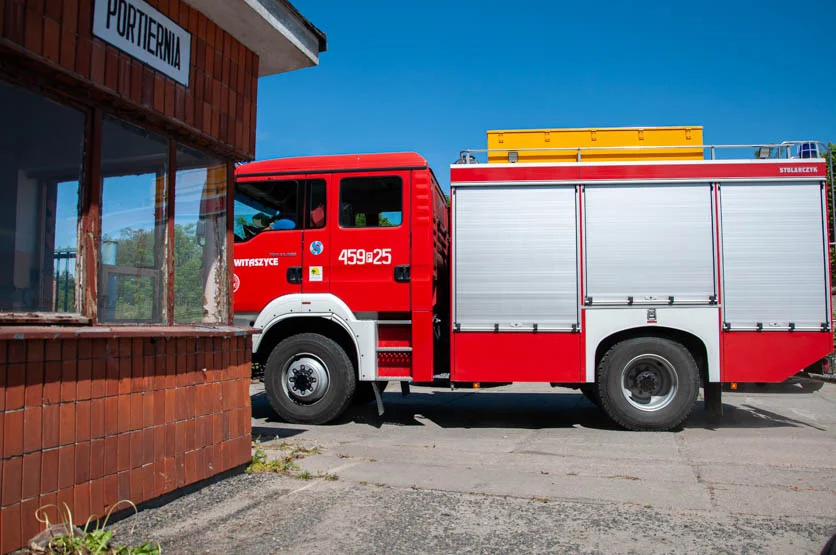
(272, 514)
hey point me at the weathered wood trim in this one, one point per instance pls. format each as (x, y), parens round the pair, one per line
(168, 265)
(230, 241)
(89, 222)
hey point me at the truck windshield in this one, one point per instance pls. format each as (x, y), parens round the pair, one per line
(265, 206)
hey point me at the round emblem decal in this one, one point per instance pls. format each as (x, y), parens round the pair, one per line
(316, 248)
(235, 283)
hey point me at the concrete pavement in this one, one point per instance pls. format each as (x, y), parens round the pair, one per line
(773, 453)
(526, 468)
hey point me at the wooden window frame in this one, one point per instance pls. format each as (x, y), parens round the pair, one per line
(89, 240)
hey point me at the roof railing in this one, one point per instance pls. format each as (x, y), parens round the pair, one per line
(783, 150)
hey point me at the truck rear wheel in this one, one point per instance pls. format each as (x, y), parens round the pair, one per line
(309, 379)
(648, 384)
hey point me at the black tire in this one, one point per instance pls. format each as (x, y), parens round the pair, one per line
(364, 394)
(648, 366)
(291, 359)
(590, 391)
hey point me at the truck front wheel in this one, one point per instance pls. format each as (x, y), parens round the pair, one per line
(648, 383)
(309, 379)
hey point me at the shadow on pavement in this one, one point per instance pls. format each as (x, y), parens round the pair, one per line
(272, 427)
(269, 433)
(261, 406)
(483, 410)
(795, 385)
(743, 416)
(468, 409)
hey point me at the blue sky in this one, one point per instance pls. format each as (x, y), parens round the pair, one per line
(128, 203)
(433, 76)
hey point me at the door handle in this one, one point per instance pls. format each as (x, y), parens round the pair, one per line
(294, 274)
(402, 274)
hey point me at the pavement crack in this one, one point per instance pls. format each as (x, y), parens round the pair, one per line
(680, 443)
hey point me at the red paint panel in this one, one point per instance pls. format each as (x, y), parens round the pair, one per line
(254, 266)
(704, 170)
(332, 162)
(517, 173)
(707, 170)
(394, 336)
(770, 356)
(423, 346)
(362, 260)
(394, 364)
(517, 357)
(423, 248)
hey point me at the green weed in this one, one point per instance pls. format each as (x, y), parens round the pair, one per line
(67, 539)
(285, 464)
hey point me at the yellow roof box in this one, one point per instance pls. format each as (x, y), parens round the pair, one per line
(596, 144)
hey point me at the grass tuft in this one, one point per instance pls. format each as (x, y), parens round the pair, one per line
(65, 538)
(285, 463)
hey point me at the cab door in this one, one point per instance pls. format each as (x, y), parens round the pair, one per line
(370, 243)
(318, 221)
(268, 240)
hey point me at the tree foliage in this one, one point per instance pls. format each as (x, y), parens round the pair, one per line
(188, 283)
(139, 295)
(65, 292)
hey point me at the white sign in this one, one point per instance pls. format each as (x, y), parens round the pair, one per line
(141, 31)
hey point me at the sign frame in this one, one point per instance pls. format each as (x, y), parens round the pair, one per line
(141, 31)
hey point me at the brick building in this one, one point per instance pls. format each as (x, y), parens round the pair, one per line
(121, 374)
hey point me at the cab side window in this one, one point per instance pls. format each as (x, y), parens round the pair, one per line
(371, 202)
(315, 204)
(266, 206)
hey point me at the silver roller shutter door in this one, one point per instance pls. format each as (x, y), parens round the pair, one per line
(773, 255)
(649, 242)
(515, 258)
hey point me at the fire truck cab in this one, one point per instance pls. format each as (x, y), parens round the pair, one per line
(341, 264)
(637, 279)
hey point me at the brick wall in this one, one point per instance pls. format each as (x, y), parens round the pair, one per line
(89, 422)
(220, 101)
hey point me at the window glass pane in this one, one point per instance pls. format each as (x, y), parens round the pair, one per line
(199, 238)
(66, 239)
(371, 202)
(266, 206)
(134, 165)
(40, 166)
(316, 204)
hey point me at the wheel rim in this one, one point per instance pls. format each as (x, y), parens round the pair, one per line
(649, 382)
(305, 379)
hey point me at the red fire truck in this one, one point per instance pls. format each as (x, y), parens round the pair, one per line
(637, 282)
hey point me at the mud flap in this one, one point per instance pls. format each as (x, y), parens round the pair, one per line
(713, 395)
(378, 399)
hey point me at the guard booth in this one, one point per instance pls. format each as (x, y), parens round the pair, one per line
(121, 374)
